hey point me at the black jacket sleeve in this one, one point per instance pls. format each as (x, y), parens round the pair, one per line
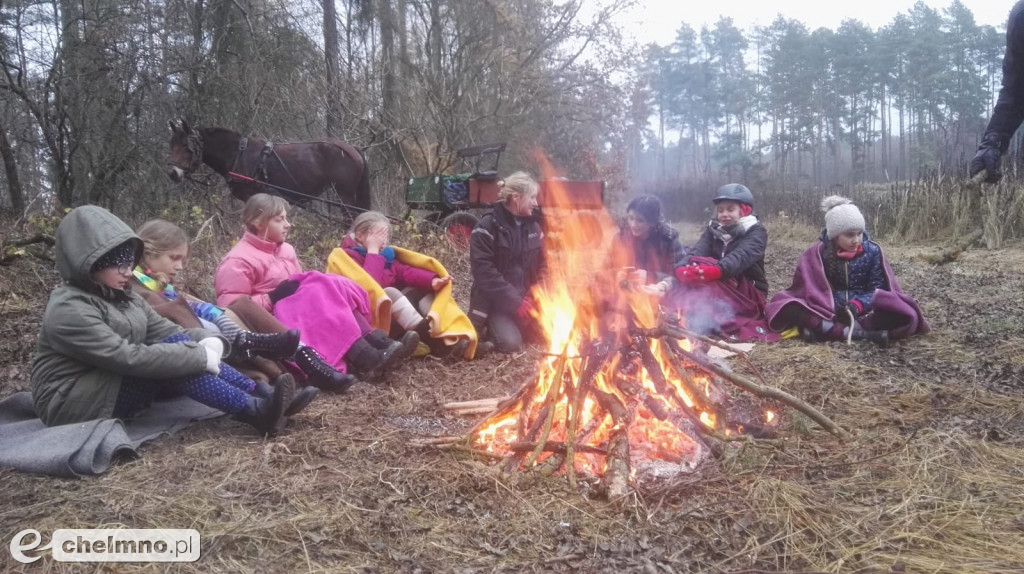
(703, 247)
(486, 276)
(1009, 111)
(749, 250)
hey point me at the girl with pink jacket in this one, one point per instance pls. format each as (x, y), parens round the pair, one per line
(331, 310)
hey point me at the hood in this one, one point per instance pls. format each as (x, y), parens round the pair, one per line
(83, 236)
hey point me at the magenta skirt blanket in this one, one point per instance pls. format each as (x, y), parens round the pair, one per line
(322, 308)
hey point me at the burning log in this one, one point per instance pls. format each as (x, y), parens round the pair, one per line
(613, 394)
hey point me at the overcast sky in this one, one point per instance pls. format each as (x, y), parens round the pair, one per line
(657, 20)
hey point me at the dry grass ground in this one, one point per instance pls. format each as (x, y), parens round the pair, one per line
(932, 480)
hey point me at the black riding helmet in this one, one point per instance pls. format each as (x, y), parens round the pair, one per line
(735, 192)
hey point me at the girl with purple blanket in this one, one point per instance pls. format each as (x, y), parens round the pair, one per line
(844, 287)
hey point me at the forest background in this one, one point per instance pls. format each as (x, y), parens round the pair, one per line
(887, 115)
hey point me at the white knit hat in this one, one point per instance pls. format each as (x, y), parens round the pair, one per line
(841, 215)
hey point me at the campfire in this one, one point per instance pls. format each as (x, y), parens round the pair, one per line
(622, 388)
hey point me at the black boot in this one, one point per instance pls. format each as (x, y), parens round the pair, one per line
(397, 352)
(364, 358)
(267, 415)
(880, 338)
(269, 345)
(302, 398)
(321, 374)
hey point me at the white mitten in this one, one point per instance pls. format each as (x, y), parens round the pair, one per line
(214, 351)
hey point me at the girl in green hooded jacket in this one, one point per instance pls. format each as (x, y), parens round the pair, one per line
(103, 352)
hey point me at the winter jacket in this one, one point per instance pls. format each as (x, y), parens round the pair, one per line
(659, 254)
(506, 259)
(1009, 111)
(254, 267)
(388, 273)
(92, 336)
(742, 257)
(854, 279)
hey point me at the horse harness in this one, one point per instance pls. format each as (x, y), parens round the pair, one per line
(260, 171)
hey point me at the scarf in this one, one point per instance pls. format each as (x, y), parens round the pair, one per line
(849, 255)
(153, 285)
(728, 233)
(388, 253)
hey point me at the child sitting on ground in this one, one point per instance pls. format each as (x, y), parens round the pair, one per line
(409, 287)
(103, 352)
(331, 311)
(646, 244)
(165, 254)
(723, 284)
(844, 287)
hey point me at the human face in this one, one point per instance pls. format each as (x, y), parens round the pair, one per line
(638, 225)
(850, 240)
(169, 262)
(523, 203)
(728, 212)
(378, 233)
(113, 277)
(274, 229)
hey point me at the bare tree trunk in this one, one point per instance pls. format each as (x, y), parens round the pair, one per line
(11, 171)
(334, 93)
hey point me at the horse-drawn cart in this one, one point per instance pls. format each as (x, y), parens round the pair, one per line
(455, 200)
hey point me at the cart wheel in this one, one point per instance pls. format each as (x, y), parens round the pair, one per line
(457, 228)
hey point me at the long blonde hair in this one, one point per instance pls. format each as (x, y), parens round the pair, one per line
(260, 208)
(160, 236)
(518, 183)
(366, 221)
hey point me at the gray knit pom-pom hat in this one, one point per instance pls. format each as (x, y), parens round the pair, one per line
(841, 215)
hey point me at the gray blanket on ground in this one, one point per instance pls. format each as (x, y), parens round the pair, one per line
(27, 445)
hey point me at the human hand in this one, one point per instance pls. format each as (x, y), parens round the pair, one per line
(377, 239)
(438, 283)
(283, 289)
(988, 158)
(698, 274)
(526, 308)
(658, 289)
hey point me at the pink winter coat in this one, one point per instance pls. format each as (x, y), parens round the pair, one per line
(254, 267)
(396, 274)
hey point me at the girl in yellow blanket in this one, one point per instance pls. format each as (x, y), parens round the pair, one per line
(411, 289)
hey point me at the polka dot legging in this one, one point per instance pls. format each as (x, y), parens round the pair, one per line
(228, 392)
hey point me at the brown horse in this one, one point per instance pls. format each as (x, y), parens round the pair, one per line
(307, 168)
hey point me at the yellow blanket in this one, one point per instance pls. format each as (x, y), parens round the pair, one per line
(447, 321)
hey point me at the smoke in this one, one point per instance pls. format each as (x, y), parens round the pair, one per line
(702, 313)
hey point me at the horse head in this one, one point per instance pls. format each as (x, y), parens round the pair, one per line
(186, 151)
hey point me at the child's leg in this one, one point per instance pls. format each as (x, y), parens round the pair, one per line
(402, 310)
(505, 333)
(215, 392)
(236, 379)
(134, 396)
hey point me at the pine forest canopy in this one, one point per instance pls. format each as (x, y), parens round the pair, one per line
(89, 87)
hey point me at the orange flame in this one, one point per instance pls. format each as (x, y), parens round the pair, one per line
(570, 310)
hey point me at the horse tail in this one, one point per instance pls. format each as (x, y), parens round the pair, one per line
(363, 188)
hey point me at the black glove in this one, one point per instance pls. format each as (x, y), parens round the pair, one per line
(283, 289)
(988, 159)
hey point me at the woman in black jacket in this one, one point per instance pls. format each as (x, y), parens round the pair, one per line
(506, 260)
(723, 283)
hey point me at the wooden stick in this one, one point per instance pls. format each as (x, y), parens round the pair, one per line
(765, 391)
(473, 411)
(557, 447)
(616, 472)
(457, 406)
(554, 392)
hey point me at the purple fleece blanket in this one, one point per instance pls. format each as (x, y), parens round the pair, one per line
(893, 309)
(322, 308)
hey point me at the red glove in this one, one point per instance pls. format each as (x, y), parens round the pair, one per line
(698, 274)
(526, 308)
